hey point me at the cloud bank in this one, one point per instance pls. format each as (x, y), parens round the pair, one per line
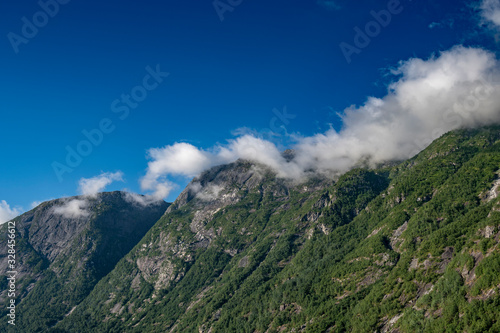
(6, 212)
(183, 159)
(458, 88)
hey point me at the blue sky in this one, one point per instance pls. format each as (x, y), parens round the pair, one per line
(225, 77)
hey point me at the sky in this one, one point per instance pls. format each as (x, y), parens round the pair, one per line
(143, 96)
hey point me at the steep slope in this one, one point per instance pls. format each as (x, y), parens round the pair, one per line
(65, 246)
(406, 248)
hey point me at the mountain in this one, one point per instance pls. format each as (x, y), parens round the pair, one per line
(404, 247)
(408, 247)
(65, 246)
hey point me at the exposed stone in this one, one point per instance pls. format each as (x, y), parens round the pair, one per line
(324, 229)
(387, 327)
(310, 233)
(371, 276)
(486, 294)
(117, 309)
(374, 232)
(199, 297)
(492, 193)
(446, 258)
(243, 262)
(157, 270)
(136, 282)
(470, 275)
(413, 264)
(423, 289)
(396, 236)
(384, 260)
(231, 252)
(488, 231)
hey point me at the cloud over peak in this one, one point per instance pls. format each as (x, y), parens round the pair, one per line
(74, 208)
(94, 185)
(458, 88)
(7, 213)
(89, 188)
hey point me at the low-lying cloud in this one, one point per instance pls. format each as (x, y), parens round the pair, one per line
(458, 88)
(141, 200)
(89, 188)
(94, 185)
(74, 208)
(7, 213)
(207, 193)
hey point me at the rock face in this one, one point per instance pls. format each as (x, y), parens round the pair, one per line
(213, 187)
(70, 244)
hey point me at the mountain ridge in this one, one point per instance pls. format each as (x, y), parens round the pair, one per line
(67, 254)
(405, 247)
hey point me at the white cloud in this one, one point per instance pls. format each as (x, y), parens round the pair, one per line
(89, 188)
(74, 208)
(7, 213)
(455, 89)
(158, 185)
(35, 204)
(94, 185)
(142, 200)
(430, 98)
(179, 159)
(182, 159)
(209, 193)
(490, 12)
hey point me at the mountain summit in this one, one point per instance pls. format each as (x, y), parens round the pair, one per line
(65, 246)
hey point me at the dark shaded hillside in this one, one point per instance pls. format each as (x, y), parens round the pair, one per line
(61, 258)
